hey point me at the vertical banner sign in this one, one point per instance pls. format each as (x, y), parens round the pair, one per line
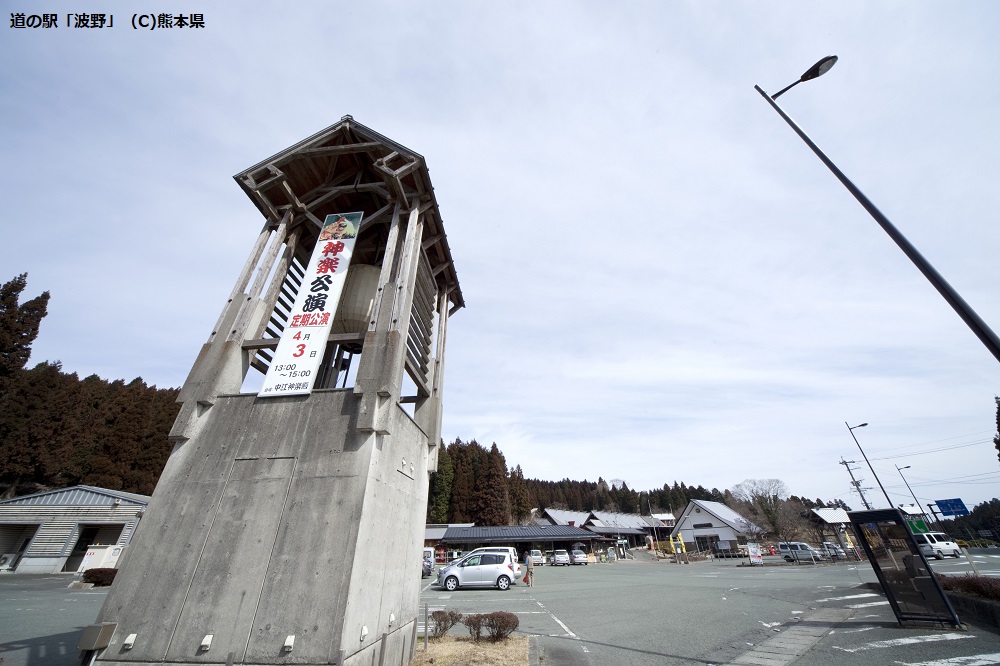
(303, 342)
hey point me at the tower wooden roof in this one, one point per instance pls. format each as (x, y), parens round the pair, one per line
(349, 167)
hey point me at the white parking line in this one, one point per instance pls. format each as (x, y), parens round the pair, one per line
(971, 660)
(896, 642)
(852, 596)
(558, 621)
(874, 603)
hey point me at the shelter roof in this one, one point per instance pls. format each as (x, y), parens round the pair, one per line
(832, 516)
(78, 496)
(516, 533)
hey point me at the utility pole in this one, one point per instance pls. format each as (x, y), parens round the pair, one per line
(855, 482)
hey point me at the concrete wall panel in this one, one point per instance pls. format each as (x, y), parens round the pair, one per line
(225, 589)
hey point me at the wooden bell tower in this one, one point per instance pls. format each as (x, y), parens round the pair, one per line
(288, 523)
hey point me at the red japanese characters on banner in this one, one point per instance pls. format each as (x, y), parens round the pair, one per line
(300, 350)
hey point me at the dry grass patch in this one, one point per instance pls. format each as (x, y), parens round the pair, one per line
(452, 651)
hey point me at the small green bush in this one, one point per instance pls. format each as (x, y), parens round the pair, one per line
(980, 586)
(443, 621)
(100, 577)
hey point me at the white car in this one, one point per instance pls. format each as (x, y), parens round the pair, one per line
(560, 557)
(512, 552)
(480, 570)
(578, 557)
(937, 544)
(537, 558)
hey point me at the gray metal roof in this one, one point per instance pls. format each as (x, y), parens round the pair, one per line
(615, 530)
(78, 496)
(516, 533)
(622, 520)
(564, 517)
(436, 531)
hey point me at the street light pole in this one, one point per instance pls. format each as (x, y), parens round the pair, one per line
(964, 310)
(851, 430)
(900, 470)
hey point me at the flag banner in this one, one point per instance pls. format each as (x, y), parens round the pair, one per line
(303, 342)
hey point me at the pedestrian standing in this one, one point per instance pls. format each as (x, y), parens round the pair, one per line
(529, 564)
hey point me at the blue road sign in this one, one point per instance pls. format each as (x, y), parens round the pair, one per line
(952, 507)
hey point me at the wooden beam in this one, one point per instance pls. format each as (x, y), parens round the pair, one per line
(345, 149)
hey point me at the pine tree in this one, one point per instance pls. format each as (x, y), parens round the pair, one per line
(996, 440)
(520, 501)
(439, 496)
(492, 501)
(18, 326)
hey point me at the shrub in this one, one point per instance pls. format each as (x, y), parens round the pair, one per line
(474, 623)
(500, 625)
(99, 577)
(443, 621)
(980, 586)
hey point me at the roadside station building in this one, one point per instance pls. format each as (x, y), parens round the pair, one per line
(713, 527)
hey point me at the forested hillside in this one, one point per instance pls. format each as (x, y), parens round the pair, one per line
(474, 485)
(57, 430)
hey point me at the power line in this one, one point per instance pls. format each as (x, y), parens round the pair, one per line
(943, 448)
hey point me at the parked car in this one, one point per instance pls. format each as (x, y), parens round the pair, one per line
(578, 557)
(502, 549)
(549, 554)
(427, 567)
(799, 551)
(937, 544)
(560, 557)
(831, 549)
(537, 558)
(479, 570)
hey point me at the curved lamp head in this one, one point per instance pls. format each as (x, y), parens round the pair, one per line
(860, 425)
(819, 69)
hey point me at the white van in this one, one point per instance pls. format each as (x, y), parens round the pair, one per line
(799, 551)
(937, 544)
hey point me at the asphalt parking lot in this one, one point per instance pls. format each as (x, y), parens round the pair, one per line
(641, 612)
(631, 612)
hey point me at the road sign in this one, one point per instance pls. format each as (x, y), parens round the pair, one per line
(952, 507)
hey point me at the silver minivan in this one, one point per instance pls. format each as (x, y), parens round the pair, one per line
(479, 570)
(937, 544)
(799, 551)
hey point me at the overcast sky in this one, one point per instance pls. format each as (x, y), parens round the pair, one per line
(662, 282)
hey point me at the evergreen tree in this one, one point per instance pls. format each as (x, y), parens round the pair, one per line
(996, 440)
(460, 510)
(520, 500)
(18, 326)
(492, 501)
(439, 496)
